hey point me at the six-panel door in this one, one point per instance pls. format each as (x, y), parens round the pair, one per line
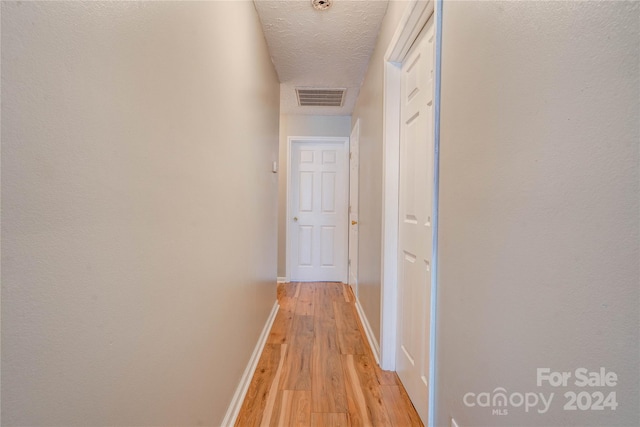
(415, 237)
(318, 210)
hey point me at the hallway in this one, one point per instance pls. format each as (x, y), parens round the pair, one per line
(317, 369)
(146, 164)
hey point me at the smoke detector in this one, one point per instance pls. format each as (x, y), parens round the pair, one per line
(321, 4)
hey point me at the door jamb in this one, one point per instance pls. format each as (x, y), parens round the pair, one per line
(355, 130)
(290, 140)
(413, 20)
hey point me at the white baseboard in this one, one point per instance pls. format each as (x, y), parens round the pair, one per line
(373, 343)
(282, 280)
(241, 391)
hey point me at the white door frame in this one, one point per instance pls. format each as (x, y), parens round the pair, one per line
(354, 141)
(413, 20)
(290, 140)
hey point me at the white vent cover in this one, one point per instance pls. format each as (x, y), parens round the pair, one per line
(320, 97)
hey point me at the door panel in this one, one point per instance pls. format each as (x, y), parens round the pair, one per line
(305, 238)
(328, 192)
(328, 157)
(415, 233)
(327, 242)
(306, 192)
(318, 210)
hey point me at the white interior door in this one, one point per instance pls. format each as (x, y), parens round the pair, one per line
(415, 219)
(354, 167)
(318, 200)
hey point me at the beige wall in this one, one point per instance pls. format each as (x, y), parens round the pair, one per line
(138, 209)
(538, 262)
(369, 110)
(300, 125)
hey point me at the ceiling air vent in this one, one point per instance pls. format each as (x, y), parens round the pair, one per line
(320, 97)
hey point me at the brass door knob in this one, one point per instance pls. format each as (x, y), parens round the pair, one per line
(295, 218)
(354, 222)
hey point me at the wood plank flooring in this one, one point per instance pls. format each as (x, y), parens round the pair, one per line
(317, 369)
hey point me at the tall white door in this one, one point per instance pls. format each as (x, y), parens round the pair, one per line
(318, 208)
(354, 167)
(415, 231)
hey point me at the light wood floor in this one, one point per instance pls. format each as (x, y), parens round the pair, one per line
(317, 369)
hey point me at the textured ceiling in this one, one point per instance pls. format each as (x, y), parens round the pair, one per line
(324, 49)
